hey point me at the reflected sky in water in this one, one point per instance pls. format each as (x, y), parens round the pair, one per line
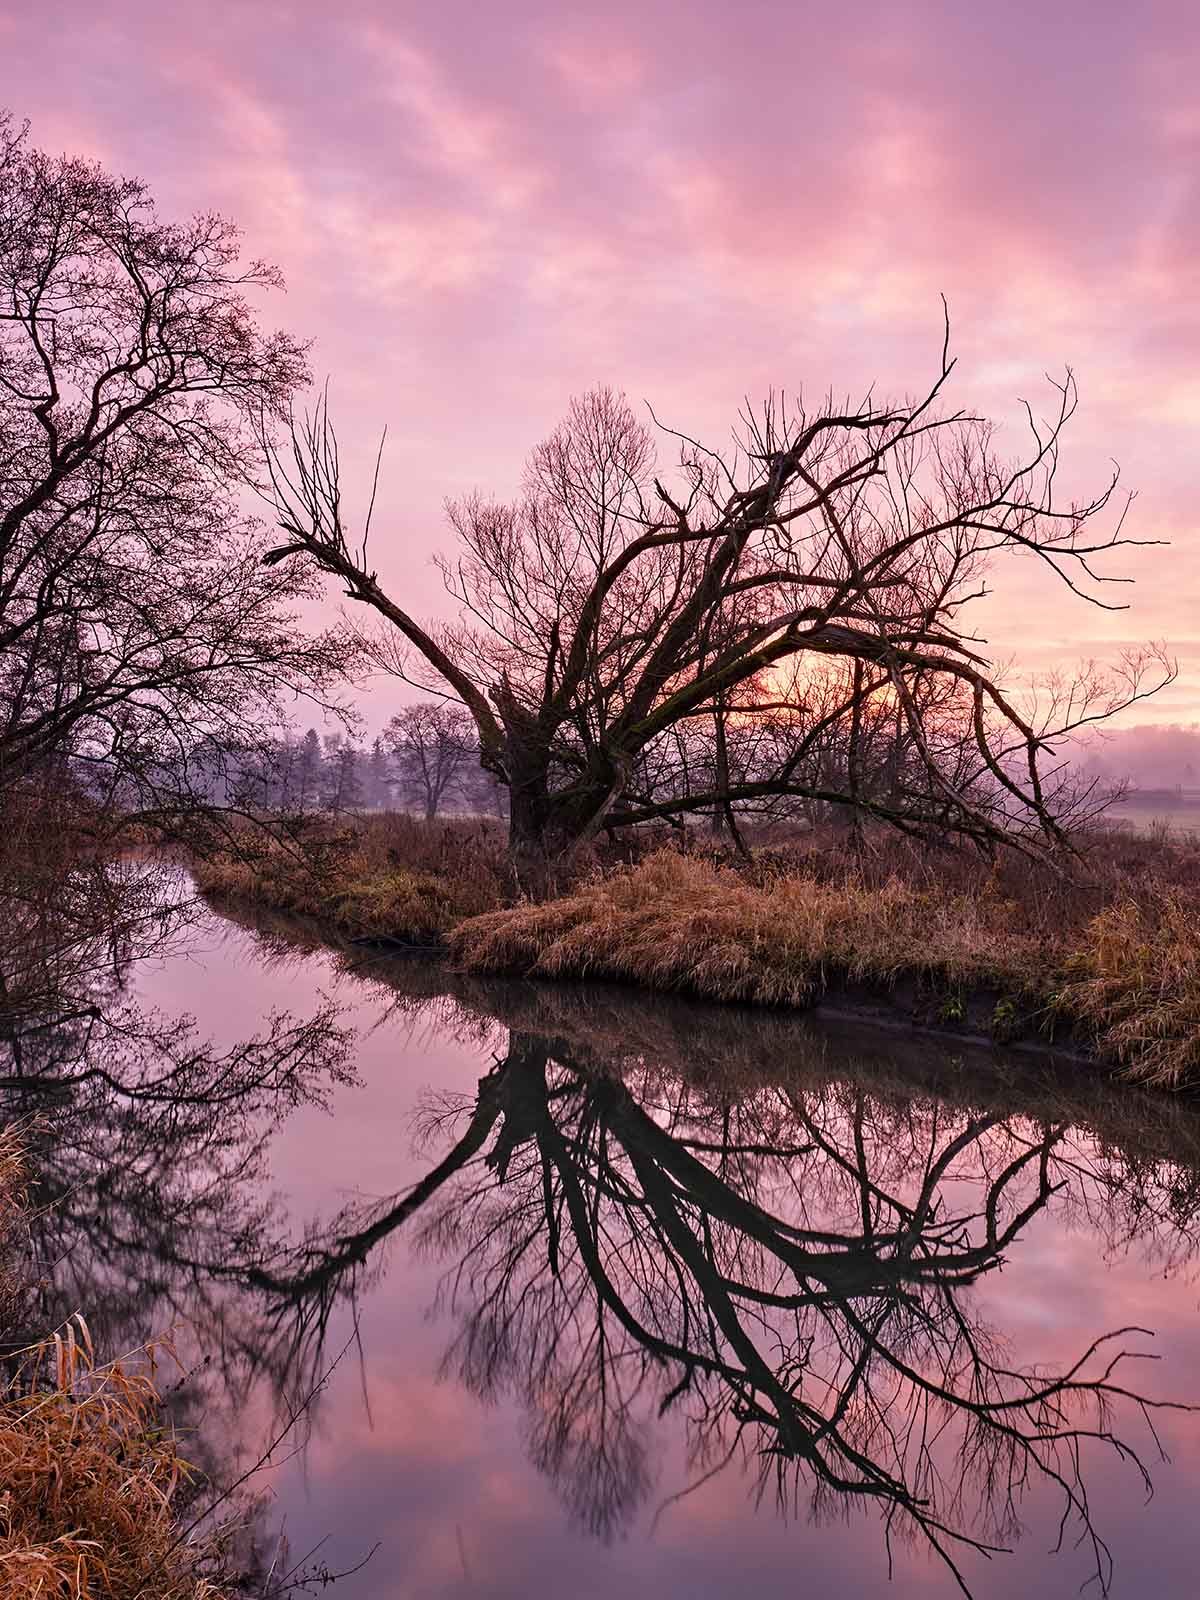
(614, 1273)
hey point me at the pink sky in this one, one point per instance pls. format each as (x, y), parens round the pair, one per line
(482, 208)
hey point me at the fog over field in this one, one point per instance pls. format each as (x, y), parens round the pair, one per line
(1152, 756)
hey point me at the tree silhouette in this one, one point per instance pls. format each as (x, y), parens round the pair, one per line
(608, 607)
(139, 643)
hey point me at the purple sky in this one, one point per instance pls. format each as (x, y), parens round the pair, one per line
(482, 208)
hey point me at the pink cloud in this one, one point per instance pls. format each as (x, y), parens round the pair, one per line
(483, 210)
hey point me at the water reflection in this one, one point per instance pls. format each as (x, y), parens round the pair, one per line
(788, 1271)
(652, 1220)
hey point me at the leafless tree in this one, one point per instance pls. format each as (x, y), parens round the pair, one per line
(605, 607)
(433, 746)
(140, 636)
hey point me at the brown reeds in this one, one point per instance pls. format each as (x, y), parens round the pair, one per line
(1134, 981)
(14, 1179)
(88, 1480)
(90, 1475)
(677, 923)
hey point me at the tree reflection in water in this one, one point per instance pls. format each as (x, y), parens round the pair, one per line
(788, 1271)
(149, 1151)
(650, 1212)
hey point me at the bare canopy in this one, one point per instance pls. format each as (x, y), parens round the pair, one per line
(140, 637)
(609, 608)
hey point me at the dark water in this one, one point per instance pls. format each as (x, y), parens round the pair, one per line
(635, 1298)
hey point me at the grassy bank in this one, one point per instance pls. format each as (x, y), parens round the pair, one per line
(1125, 980)
(386, 877)
(1108, 960)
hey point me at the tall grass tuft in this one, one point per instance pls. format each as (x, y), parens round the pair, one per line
(89, 1475)
(88, 1478)
(14, 1183)
(676, 922)
(1135, 982)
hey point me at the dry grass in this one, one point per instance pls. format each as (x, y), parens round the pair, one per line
(1134, 981)
(1116, 866)
(677, 923)
(1111, 952)
(1127, 977)
(14, 1181)
(389, 877)
(89, 1476)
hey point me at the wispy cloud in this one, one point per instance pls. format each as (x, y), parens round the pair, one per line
(483, 209)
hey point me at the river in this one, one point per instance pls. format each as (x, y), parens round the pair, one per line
(629, 1297)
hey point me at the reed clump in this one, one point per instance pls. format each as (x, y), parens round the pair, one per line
(14, 1181)
(679, 923)
(1134, 981)
(89, 1477)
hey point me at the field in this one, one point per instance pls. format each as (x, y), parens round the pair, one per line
(1174, 811)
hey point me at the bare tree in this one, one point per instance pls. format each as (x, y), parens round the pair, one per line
(604, 608)
(433, 745)
(379, 777)
(481, 790)
(141, 640)
(344, 791)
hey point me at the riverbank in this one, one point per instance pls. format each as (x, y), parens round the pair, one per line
(1125, 985)
(1108, 964)
(388, 877)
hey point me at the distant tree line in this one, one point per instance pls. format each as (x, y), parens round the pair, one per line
(425, 761)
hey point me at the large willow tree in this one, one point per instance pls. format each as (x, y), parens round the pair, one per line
(606, 609)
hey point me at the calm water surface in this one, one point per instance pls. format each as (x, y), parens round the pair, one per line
(636, 1298)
